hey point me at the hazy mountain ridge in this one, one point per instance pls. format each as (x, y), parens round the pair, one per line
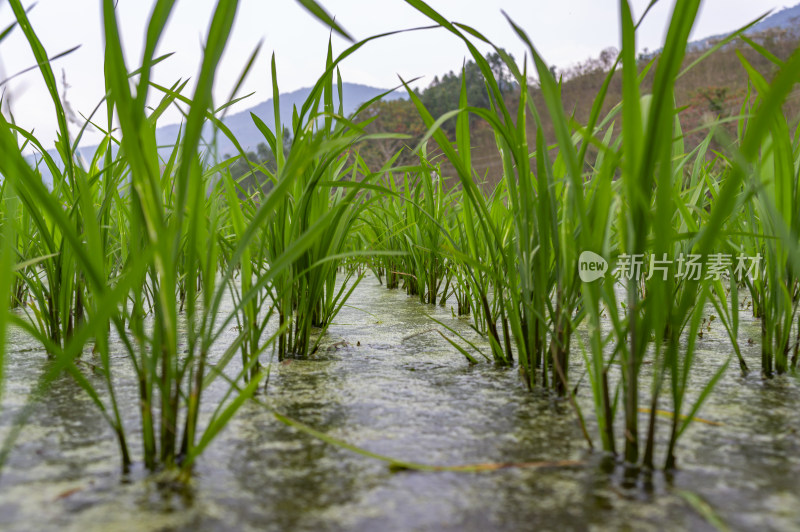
(244, 129)
(241, 123)
(786, 19)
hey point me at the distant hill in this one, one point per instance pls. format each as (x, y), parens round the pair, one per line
(786, 19)
(241, 123)
(242, 126)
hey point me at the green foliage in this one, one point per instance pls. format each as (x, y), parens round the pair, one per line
(442, 95)
(170, 231)
(642, 196)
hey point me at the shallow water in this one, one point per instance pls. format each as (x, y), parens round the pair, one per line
(414, 400)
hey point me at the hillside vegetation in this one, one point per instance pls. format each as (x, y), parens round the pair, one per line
(717, 89)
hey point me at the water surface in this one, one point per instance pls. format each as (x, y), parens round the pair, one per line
(413, 399)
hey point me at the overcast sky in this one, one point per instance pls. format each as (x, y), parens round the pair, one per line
(564, 32)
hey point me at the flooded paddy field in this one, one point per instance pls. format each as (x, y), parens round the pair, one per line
(413, 398)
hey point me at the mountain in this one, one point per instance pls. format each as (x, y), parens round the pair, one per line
(244, 129)
(787, 19)
(241, 123)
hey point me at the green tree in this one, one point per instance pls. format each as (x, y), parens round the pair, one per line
(263, 157)
(396, 116)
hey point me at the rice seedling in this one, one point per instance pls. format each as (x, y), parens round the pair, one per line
(383, 231)
(426, 268)
(658, 209)
(21, 245)
(8, 212)
(771, 224)
(410, 219)
(541, 265)
(324, 197)
(164, 219)
(648, 173)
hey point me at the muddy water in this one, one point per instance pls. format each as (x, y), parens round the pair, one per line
(414, 399)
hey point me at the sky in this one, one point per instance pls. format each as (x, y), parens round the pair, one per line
(564, 32)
